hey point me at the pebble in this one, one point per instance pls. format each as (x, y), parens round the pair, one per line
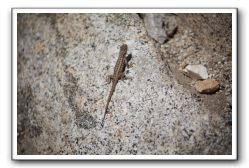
(207, 86)
(196, 71)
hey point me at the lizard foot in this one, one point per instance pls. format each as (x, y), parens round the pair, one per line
(108, 79)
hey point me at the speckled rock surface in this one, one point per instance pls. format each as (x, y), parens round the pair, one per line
(63, 62)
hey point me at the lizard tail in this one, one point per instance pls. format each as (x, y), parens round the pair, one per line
(107, 104)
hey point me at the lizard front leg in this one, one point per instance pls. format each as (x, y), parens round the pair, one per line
(127, 59)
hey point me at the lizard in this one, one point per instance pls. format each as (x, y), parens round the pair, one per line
(118, 74)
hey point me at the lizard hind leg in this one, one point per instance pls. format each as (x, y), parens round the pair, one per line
(124, 77)
(109, 79)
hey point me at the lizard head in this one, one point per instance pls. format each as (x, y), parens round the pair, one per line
(124, 48)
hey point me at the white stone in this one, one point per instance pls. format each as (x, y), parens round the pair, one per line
(196, 71)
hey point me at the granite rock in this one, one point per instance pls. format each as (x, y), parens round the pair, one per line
(154, 26)
(63, 61)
